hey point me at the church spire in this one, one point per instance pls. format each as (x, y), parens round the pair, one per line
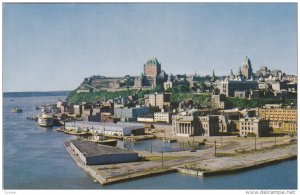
(213, 78)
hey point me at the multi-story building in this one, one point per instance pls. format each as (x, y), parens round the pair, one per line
(152, 67)
(218, 101)
(185, 125)
(228, 87)
(107, 117)
(255, 126)
(130, 114)
(153, 75)
(290, 78)
(160, 100)
(284, 119)
(60, 103)
(121, 129)
(78, 110)
(168, 84)
(147, 119)
(246, 69)
(195, 125)
(209, 125)
(241, 94)
(162, 117)
(226, 125)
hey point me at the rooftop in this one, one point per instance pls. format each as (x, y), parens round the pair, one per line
(103, 124)
(89, 149)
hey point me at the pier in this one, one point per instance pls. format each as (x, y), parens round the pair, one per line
(198, 163)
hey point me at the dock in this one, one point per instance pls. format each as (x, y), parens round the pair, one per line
(237, 163)
(199, 163)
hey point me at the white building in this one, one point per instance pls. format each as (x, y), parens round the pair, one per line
(162, 117)
(106, 128)
(255, 126)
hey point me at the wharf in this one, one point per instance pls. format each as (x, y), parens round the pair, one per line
(239, 162)
(201, 162)
(139, 137)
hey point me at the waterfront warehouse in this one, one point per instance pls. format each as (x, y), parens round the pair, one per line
(107, 128)
(95, 154)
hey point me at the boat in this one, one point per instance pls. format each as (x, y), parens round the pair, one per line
(36, 107)
(45, 120)
(17, 109)
(34, 118)
(108, 142)
(100, 139)
(75, 132)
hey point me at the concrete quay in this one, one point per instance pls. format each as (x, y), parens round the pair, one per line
(240, 162)
(200, 163)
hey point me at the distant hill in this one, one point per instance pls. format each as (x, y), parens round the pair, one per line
(35, 94)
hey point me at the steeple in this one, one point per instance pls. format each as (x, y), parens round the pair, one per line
(213, 78)
(231, 73)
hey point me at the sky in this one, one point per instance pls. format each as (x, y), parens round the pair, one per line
(49, 47)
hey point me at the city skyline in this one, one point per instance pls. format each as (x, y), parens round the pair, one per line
(57, 45)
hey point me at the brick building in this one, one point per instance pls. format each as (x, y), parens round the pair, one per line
(283, 119)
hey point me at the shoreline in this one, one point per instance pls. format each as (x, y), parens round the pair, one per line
(208, 166)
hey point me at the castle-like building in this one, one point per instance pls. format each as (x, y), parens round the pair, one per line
(152, 76)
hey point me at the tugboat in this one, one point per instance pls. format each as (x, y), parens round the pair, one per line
(45, 120)
(17, 109)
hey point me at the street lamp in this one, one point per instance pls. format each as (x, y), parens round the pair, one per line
(255, 141)
(222, 136)
(162, 157)
(215, 148)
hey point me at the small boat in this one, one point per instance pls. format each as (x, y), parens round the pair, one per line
(108, 142)
(74, 132)
(16, 110)
(11, 100)
(60, 129)
(45, 120)
(100, 139)
(37, 108)
(34, 118)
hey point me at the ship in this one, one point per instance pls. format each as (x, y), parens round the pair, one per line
(17, 109)
(45, 120)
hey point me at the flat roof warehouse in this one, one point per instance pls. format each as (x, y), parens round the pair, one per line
(89, 149)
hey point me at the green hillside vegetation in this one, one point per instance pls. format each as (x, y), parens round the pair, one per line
(77, 98)
(176, 98)
(199, 99)
(253, 103)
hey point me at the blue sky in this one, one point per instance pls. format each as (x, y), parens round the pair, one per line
(54, 46)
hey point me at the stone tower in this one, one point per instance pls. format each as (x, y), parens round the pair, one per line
(247, 68)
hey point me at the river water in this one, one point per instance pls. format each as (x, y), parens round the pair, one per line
(35, 158)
